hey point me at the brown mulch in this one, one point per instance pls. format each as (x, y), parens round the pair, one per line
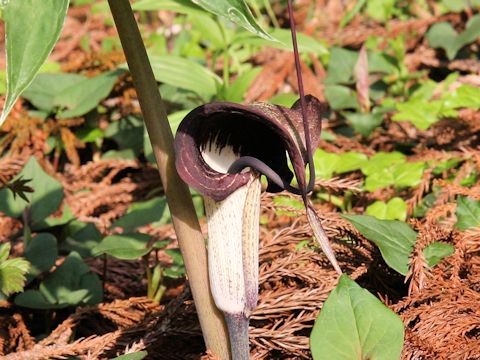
(439, 307)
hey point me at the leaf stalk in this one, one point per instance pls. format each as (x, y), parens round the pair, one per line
(184, 218)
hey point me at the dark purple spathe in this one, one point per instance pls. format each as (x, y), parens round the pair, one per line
(260, 130)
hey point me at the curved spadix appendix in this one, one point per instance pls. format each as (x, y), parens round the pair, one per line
(219, 133)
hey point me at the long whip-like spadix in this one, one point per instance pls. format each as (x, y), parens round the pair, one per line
(312, 216)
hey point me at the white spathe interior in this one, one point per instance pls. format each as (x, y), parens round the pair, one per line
(219, 159)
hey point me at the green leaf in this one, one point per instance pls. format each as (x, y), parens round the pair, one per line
(178, 6)
(139, 355)
(126, 154)
(45, 87)
(32, 28)
(177, 270)
(283, 40)
(12, 271)
(174, 120)
(364, 123)
(395, 239)
(84, 96)
(72, 283)
(33, 299)
(81, 237)
(408, 174)
(325, 163)
(394, 209)
(350, 161)
(185, 74)
(378, 180)
(341, 97)
(236, 91)
(382, 160)
(465, 96)
(127, 133)
(45, 199)
(468, 213)
(436, 251)
(42, 252)
(54, 220)
(212, 32)
(443, 35)
(380, 10)
(5, 251)
(420, 113)
(445, 165)
(125, 246)
(354, 324)
(285, 99)
(340, 66)
(142, 213)
(352, 12)
(236, 11)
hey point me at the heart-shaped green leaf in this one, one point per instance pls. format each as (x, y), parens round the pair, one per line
(354, 324)
(443, 35)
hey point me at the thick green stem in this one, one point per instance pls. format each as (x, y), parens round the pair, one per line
(184, 218)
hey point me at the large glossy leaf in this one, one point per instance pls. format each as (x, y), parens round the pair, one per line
(125, 246)
(468, 213)
(185, 74)
(43, 201)
(236, 11)
(395, 239)
(32, 28)
(354, 324)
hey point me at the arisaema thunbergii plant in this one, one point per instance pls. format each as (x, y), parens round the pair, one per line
(222, 150)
